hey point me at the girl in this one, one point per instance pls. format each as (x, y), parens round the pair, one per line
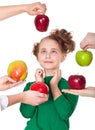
(54, 114)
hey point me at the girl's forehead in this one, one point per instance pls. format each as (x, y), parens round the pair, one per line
(48, 43)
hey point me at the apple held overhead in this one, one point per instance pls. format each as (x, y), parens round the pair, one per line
(41, 23)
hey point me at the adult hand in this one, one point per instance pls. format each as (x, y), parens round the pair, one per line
(88, 41)
(35, 8)
(87, 92)
(6, 83)
(13, 10)
(34, 97)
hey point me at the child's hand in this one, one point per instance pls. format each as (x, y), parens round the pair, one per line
(54, 84)
(57, 76)
(39, 75)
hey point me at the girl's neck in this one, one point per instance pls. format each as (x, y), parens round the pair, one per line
(49, 72)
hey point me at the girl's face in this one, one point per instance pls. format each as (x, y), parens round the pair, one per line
(50, 55)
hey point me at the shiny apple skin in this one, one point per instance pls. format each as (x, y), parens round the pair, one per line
(41, 22)
(84, 57)
(40, 87)
(17, 70)
(77, 81)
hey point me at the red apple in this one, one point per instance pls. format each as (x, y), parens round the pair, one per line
(77, 81)
(41, 22)
(40, 86)
(17, 70)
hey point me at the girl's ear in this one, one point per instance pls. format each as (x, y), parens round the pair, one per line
(63, 57)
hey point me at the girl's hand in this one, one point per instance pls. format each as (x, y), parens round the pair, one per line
(39, 75)
(54, 84)
(57, 76)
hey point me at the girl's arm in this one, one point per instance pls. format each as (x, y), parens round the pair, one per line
(64, 103)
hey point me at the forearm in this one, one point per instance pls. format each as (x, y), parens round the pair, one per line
(13, 99)
(9, 11)
(55, 91)
(65, 105)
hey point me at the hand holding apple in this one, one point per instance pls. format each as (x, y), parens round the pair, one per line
(17, 70)
(40, 86)
(41, 22)
(87, 92)
(77, 81)
(84, 57)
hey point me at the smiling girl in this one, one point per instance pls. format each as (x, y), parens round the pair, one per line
(55, 113)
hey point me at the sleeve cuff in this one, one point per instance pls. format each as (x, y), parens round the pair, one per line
(3, 102)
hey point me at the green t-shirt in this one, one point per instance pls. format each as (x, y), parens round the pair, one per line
(53, 114)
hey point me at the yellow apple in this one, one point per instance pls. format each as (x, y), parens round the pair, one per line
(17, 70)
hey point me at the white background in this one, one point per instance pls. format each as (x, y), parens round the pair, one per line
(17, 36)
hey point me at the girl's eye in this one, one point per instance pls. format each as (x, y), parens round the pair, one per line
(54, 52)
(43, 51)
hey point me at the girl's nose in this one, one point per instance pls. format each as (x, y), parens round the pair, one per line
(47, 55)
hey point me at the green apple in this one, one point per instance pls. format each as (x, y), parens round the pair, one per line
(84, 57)
(17, 70)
